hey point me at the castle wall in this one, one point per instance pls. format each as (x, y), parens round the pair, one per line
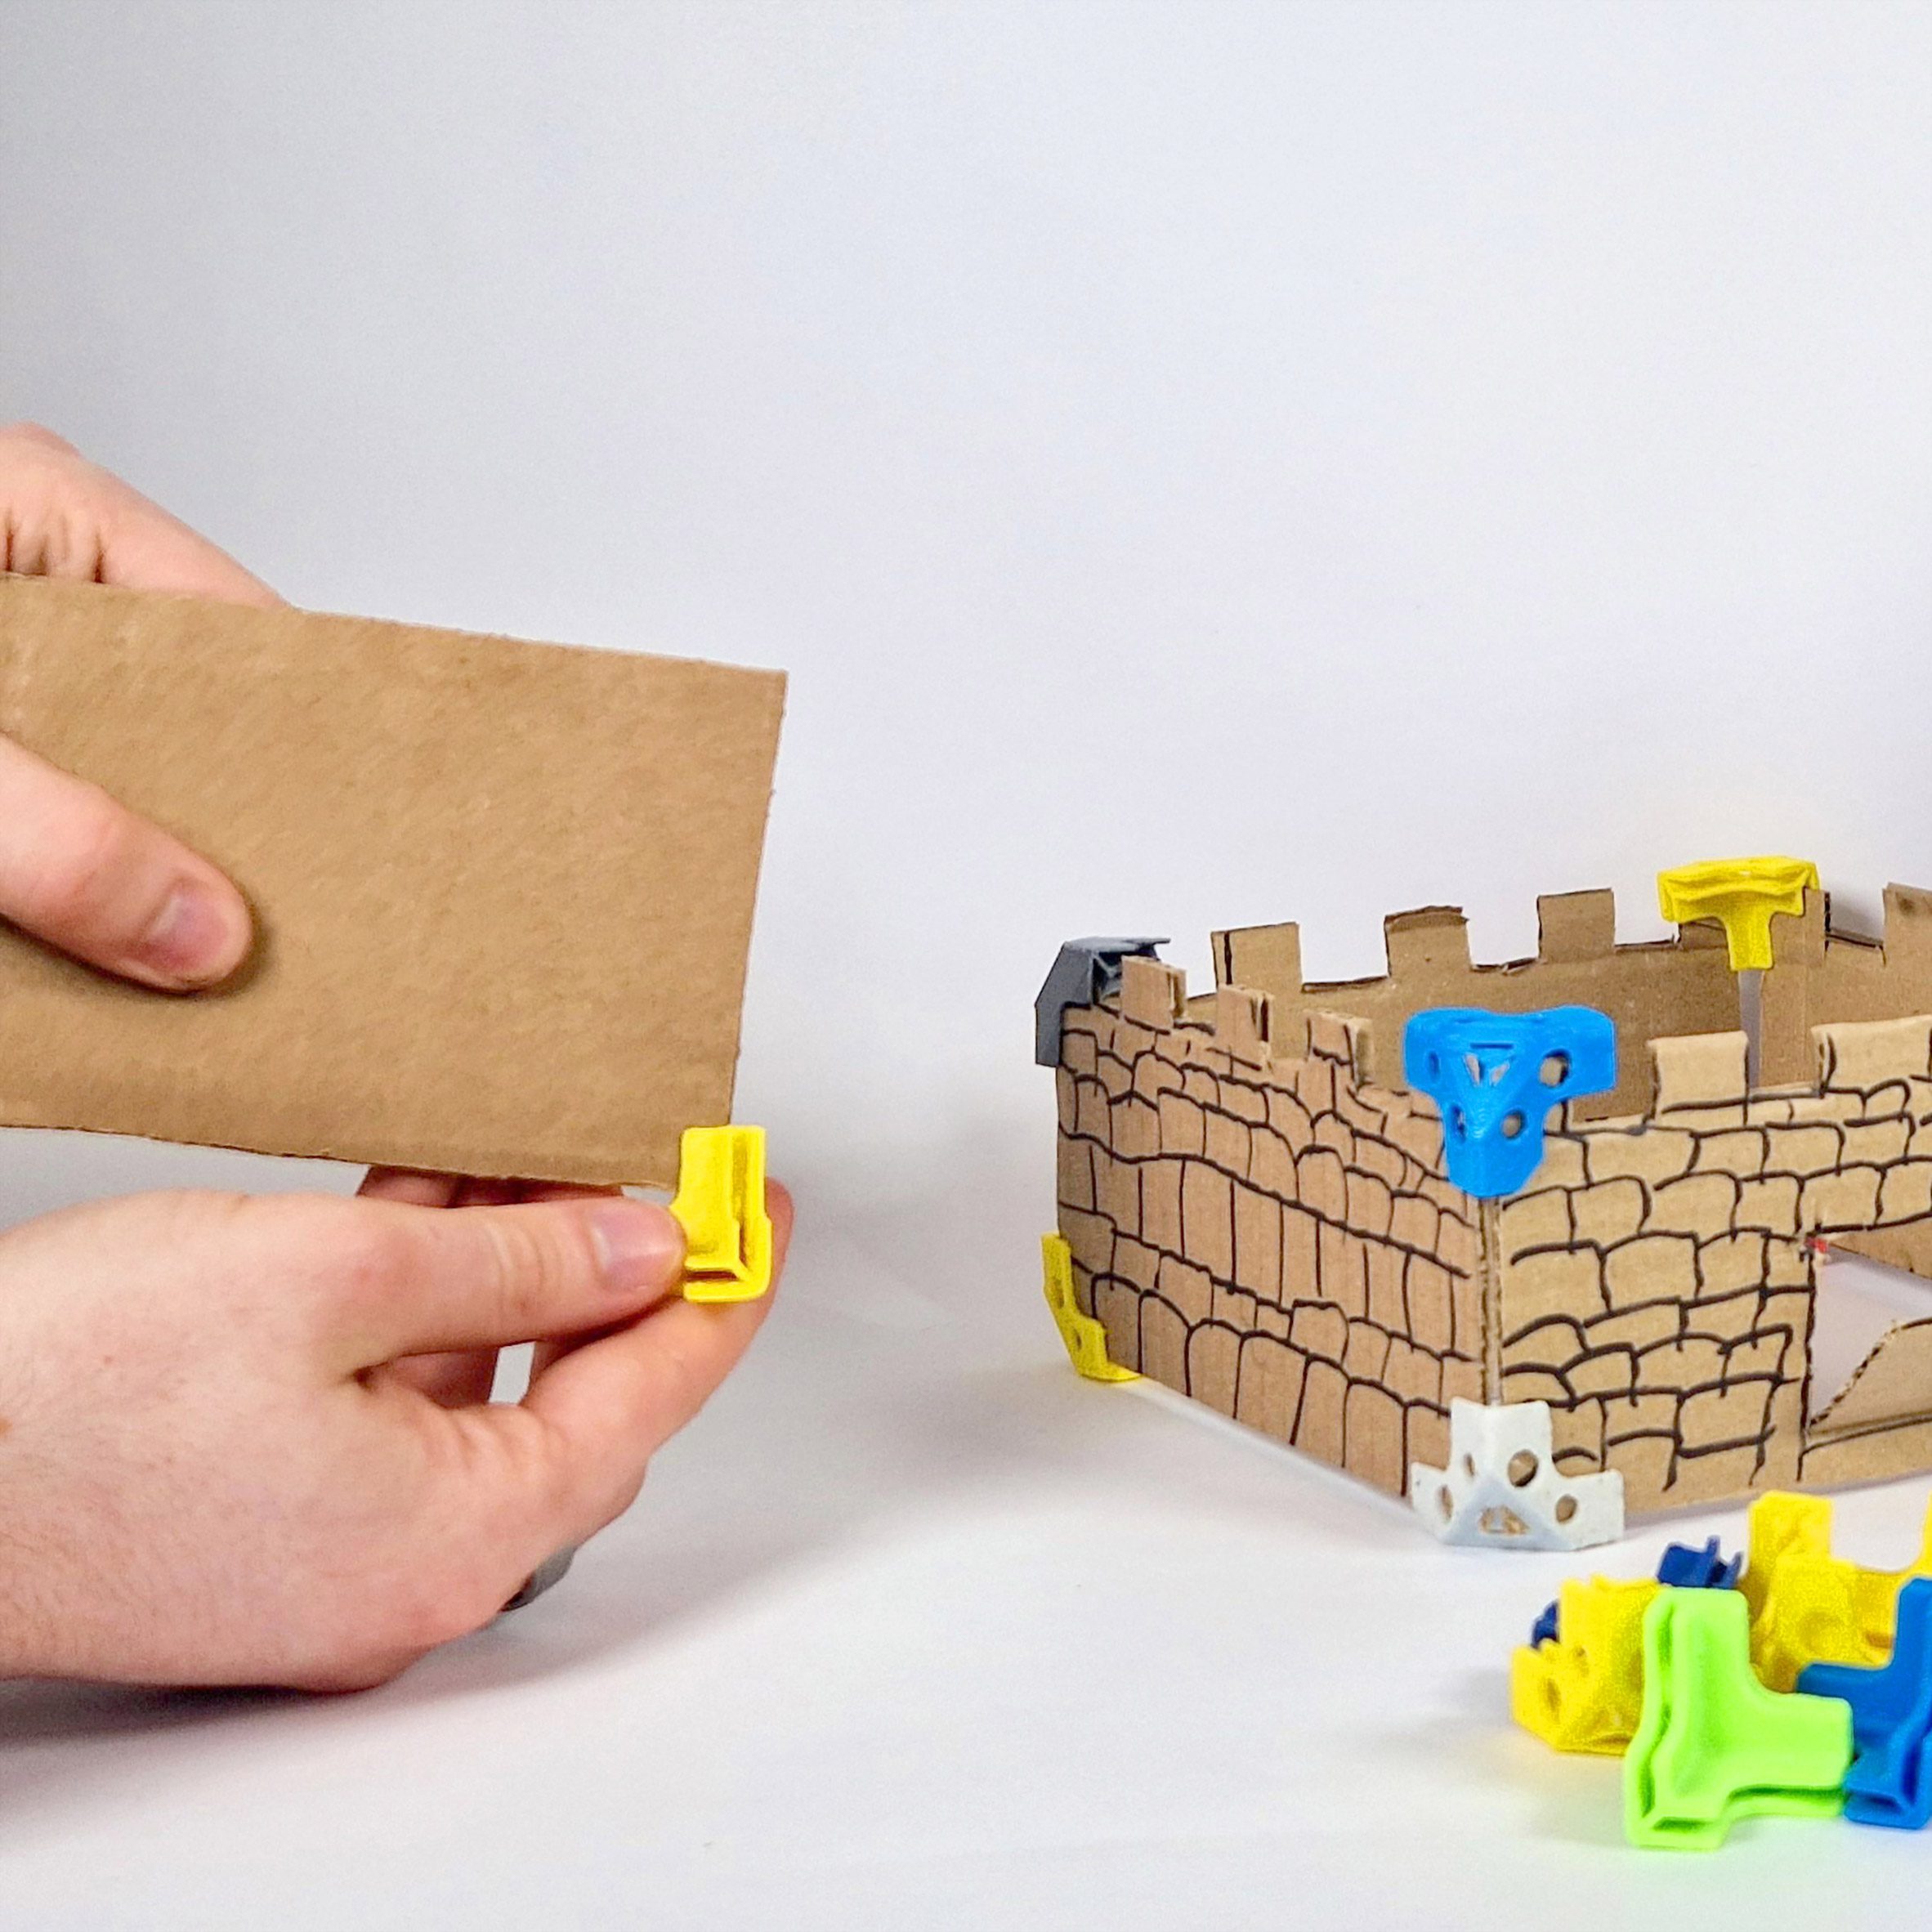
(1271, 1236)
(1656, 1281)
(1266, 1224)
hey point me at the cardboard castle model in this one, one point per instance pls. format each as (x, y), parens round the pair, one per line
(1260, 1213)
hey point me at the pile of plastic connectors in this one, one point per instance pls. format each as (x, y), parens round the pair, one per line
(1797, 1684)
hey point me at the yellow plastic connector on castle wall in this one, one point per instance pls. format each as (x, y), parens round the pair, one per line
(1583, 1690)
(1743, 894)
(721, 1205)
(1807, 1606)
(1084, 1337)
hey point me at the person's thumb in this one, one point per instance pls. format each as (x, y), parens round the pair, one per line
(414, 1280)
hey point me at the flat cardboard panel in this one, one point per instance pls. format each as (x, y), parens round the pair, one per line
(1893, 1384)
(504, 891)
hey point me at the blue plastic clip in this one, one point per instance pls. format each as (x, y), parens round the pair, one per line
(1679, 1567)
(1890, 1780)
(1682, 1568)
(1496, 1076)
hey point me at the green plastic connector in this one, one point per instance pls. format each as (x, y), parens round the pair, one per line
(1713, 1745)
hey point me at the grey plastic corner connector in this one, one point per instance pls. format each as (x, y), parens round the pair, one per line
(1086, 971)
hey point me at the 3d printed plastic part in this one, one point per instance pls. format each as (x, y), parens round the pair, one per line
(1807, 1606)
(1085, 1338)
(1682, 1567)
(1502, 1488)
(1494, 1077)
(1743, 894)
(720, 1204)
(1582, 1688)
(1679, 1567)
(1713, 1745)
(1890, 1779)
(1083, 974)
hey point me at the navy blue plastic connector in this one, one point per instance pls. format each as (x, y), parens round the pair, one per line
(1682, 1568)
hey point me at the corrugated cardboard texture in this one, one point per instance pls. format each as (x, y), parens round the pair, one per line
(504, 891)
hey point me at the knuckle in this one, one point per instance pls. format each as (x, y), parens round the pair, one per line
(37, 436)
(369, 1256)
(532, 1264)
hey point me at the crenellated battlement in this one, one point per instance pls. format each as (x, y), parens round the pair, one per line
(1822, 974)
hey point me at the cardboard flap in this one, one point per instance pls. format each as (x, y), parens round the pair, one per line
(504, 891)
(1893, 1384)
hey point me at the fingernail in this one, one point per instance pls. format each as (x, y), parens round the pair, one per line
(638, 1246)
(194, 937)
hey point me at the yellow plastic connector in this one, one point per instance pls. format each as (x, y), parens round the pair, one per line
(1743, 894)
(1809, 1606)
(1583, 1690)
(1085, 1338)
(721, 1206)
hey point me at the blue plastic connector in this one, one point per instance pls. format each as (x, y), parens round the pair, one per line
(1494, 1076)
(1890, 1779)
(1682, 1568)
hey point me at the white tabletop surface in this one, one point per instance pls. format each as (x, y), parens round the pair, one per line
(915, 1628)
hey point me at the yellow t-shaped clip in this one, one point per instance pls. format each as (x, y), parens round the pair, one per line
(1742, 893)
(721, 1206)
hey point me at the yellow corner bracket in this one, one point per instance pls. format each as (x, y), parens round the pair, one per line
(1743, 894)
(721, 1206)
(1807, 1606)
(1583, 1689)
(1085, 1338)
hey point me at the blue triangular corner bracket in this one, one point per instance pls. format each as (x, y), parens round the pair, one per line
(1494, 1076)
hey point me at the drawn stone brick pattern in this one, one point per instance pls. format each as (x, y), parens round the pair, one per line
(1273, 1236)
(1656, 1282)
(1260, 1218)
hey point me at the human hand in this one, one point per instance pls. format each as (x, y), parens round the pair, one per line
(456, 1377)
(213, 1471)
(78, 869)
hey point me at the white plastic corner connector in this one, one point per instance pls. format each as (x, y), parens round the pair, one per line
(1503, 1490)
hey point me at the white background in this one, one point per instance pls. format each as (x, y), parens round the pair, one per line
(1200, 465)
